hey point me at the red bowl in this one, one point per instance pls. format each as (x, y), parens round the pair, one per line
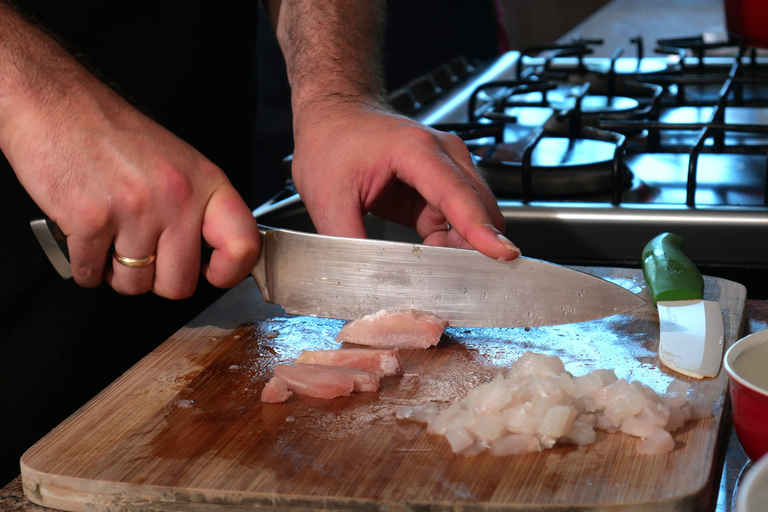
(746, 363)
(746, 20)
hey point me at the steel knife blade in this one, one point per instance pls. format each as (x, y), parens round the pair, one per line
(346, 278)
(691, 337)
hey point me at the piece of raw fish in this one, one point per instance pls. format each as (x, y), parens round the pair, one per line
(383, 362)
(364, 381)
(314, 382)
(275, 392)
(394, 329)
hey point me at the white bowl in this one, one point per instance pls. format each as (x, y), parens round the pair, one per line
(752, 493)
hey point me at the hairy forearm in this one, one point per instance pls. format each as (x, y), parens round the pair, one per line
(36, 73)
(27, 57)
(332, 48)
(48, 99)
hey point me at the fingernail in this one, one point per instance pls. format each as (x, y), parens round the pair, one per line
(505, 242)
(508, 244)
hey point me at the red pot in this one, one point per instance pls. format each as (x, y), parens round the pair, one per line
(747, 21)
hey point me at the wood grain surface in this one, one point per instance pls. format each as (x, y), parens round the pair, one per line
(184, 429)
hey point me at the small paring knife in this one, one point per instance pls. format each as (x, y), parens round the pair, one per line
(347, 278)
(691, 339)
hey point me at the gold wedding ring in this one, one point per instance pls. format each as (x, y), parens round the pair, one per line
(134, 262)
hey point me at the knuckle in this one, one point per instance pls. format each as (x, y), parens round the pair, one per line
(421, 135)
(452, 139)
(446, 143)
(91, 218)
(177, 291)
(176, 184)
(134, 200)
(170, 185)
(244, 250)
(86, 275)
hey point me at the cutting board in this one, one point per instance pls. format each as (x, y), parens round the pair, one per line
(184, 429)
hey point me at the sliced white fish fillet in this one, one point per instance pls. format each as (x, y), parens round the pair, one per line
(383, 362)
(363, 380)
(394, 329)
(276, 391)
(314, 382)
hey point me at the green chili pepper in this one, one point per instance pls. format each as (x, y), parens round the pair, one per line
(669, 274)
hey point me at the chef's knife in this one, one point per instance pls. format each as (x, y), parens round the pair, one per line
(54, 243)
(346, 278)
(691, 340)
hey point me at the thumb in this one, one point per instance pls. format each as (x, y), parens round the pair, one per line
(230, 229)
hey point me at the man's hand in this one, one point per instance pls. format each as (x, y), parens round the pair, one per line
(353, 155)
(112, 178)
(353, 158)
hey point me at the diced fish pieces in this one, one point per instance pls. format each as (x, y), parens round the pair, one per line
(275, 392)
(314, 382)
(538, 404)
(581, 433)
(658, 442)
(394, 329)
(515, 443)
(383, 362)
(363, 380)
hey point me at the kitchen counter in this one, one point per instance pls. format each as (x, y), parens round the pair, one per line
(621, 20)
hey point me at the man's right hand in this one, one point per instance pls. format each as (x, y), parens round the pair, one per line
(112, 178)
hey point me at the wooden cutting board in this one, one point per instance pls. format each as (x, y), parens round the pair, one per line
(185, 428)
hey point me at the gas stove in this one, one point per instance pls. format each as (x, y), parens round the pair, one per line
(592, 157)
